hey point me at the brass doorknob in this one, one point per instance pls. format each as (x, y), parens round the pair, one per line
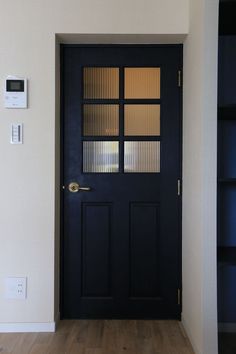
(74, 187)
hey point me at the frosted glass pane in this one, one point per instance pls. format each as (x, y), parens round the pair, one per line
(101, 120)
(142, 119)
(101, 83)
(142, 156)
(142, 83)
(101, 156)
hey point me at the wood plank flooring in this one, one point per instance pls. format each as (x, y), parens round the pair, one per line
(101, 337)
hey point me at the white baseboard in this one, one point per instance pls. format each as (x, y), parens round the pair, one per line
(227, 327)
(27, 327)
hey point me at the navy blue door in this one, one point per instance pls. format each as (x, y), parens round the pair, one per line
(121, 244)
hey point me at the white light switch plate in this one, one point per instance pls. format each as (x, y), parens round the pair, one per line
(17, 133)
(15, 288)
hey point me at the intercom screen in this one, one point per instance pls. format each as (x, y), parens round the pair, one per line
(15, 85)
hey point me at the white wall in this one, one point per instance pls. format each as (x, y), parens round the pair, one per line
(29, 215)
(27, 48)
(199, 177)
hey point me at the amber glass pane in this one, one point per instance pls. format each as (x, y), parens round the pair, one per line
(100, 156)
(142, 156)
(142, 83)
(101, 83)
(142, 119)
(101, 119)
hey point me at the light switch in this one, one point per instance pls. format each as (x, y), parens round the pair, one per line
(17, 133)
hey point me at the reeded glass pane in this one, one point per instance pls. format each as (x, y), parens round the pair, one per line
(142, 83)
(101, 83)
(142, 119)
(101, 119)
(101, 156)
(142, 156)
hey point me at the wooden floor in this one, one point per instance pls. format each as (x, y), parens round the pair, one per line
(101, 337)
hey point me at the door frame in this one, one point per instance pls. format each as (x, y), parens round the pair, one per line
(180, 121)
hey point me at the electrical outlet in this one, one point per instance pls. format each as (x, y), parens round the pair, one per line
(15, 288)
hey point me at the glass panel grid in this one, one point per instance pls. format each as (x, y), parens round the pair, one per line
(101, 83)
(141, 156)
(101, 156)
(142, 119)
(142, 83)
(101, 120)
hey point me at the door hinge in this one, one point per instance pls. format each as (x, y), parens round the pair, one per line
(179, 78)
(179, 187)
(179, 296)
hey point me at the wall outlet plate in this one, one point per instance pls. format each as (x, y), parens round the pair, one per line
(15, 287)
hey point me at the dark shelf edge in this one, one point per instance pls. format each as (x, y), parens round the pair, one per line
(233, 105)
(227, 112)
(226, 118)
(226, 180)
(225, 33)
(226, 255)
